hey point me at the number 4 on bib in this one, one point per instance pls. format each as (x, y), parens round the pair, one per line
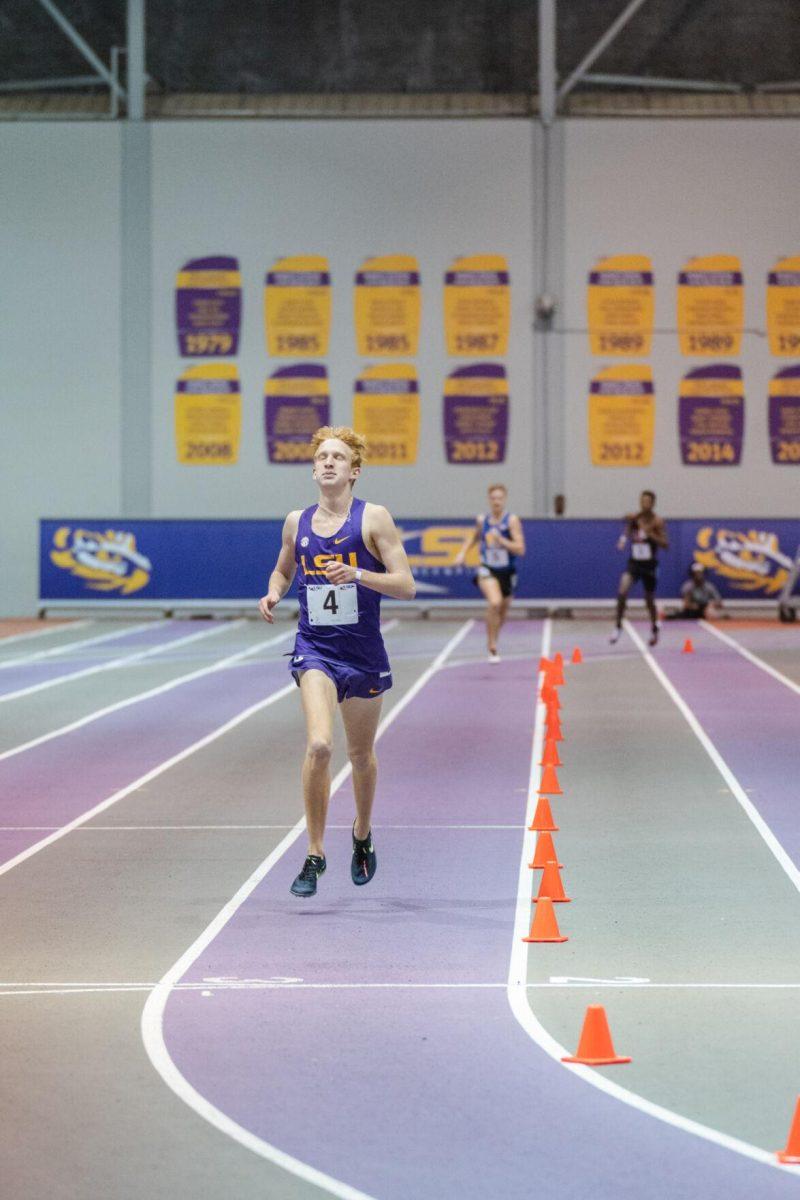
(332, 604)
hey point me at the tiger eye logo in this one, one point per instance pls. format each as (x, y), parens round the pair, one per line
(751, 560)
(107, 562)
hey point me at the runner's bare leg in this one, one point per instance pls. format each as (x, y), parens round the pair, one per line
(318, 695)
(494, 611)
(361, 717)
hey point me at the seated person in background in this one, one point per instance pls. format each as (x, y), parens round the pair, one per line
(699, 595)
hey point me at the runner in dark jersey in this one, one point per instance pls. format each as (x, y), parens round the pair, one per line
(647, 534)
(347, 554)
(502, 541)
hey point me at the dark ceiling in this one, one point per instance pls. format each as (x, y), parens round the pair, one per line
(490, 46)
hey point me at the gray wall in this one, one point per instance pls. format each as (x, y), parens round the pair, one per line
(437, 189)
(59, 337)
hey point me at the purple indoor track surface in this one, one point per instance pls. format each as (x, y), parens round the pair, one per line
(14, 678)
(752, 719)
(416, 1091)
(56, 782)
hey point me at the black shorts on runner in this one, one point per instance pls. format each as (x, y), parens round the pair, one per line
(506, 579)
(644, 573)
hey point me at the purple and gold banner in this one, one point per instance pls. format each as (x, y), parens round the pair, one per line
(297, 307)
(208, 415)
(711, 305)
(711, 416)
(386, 412)
(622, 416)
(208, 307)
(784, 417)
(387, 305)
(476, 414)
(296, 403)
(477, 305)
(621, 305)
(783, 307)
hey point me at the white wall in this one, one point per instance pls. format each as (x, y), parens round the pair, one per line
(59, 337)
(673, 189)
(346, 189)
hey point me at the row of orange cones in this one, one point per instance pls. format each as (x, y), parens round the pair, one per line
(595, 1047)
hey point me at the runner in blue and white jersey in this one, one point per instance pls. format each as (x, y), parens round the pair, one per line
(347, 554)
(502, 541)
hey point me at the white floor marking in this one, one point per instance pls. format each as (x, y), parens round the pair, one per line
(751, 657)
(153, 1012)
(37, 633)
(125, 660)
(221, 664)
(719, 762)
(518, 991)
(68, 647)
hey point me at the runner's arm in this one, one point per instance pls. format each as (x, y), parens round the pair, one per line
(281, 578)
(397, 582)
(658, 533)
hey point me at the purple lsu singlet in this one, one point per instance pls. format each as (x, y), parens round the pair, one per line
(338, 623)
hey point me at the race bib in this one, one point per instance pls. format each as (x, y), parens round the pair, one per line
(496, 556)
(332, 603)
(641, 551)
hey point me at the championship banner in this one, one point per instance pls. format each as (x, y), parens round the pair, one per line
(622, 418)
(387, 305)
(386, 413)
(621, 305)
(296, 403)
(711, 416)
(476, 414)
(208, 415)
(784, 416)
(297, 306)
(783, 307)
(208, 307)
(477, 305)
(711, 305)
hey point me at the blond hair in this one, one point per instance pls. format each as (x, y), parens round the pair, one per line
(356, 443)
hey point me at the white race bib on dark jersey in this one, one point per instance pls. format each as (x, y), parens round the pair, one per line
(332, 603)
(496, 556)
(641, 551)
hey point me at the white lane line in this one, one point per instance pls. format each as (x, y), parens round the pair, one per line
(179, 681)
(68, 647)
(256, 985)
(719, 762)
(520, 1006)
(751, 657)
(37, 633)
(113, 663)
(153, 1012)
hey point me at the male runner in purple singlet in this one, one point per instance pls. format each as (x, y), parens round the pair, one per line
(347, 554)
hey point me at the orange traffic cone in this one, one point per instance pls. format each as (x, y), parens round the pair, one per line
(688, 648)
(549, 696)
(577, 657)
(595, 1049)
(549, 782)
(544, 926)
(544, 853)
(552, 728)
(550, 754)
(558, 669)
(545, 665)
(543, 817)
(551, 887)
(791, 1154)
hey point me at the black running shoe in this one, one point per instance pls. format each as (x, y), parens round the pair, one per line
(306, 882)
(364, 862)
